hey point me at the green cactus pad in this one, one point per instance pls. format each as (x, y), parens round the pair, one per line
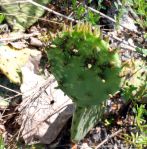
(22, 15)
(86, 69)
(84, 119)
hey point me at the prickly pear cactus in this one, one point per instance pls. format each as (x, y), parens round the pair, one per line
(86, 69)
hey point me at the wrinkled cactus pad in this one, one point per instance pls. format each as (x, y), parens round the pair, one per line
(86, 69)
(11, 61)
(23, 15)
(84, 119)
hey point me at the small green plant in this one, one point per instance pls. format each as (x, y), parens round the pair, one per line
(74, 3)
(140, 120)
(34, 146)
(139, 139)
(134, 85)
(140, 8)
(81, 12)
(2, 144)
(142, 51)
(92, 17)
(2, 17)
(121, 10)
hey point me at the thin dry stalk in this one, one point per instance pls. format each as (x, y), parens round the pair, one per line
(109, 137)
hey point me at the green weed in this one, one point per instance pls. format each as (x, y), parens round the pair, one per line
(2, 145)
(140, 120)
(140, 8)
(139, 139)
(2, 17)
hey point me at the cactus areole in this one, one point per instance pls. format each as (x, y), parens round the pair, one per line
(86, 69)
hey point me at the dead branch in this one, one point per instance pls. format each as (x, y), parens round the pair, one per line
(1, 86)
(109, 137)
(52, 11)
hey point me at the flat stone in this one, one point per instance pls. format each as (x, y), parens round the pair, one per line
(44, 110)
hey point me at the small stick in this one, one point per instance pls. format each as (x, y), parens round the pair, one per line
(30, 16)
(52, 11)
(12, 3)
(1, 86)
(18, 36)
(73, 20)
(109, 18)
(109, 137)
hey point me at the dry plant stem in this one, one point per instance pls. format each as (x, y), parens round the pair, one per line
(45, 120)
(31, 99)
(128, 78)
(42, 19)
(131, 47)
(109, 18)
(38, 90)
(69, 18)
(52, 11)
(7, 115)
(12, 97)
(102, 14)
(20, 36)
(1, 86)
(109, 137)
(35, 93)
(73, 20)
(10, 3)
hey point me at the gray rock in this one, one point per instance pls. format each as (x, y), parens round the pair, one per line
(35, 42)
(44, 110)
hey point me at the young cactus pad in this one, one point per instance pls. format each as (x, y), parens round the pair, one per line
(86, 69)
(84, 119)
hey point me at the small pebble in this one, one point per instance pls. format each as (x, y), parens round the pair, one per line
(35, 42)
(85, 146)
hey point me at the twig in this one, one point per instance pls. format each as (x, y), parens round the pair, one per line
(35, 93)
(29, 104)
(9, 89)
(109, 137)
(19, 36)
(39, 122)
(109, 18)
(131, 47)
(73, 20)
(52, 11)
(29, 16)
(15, 2)
(12, 97)
(102, 14)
